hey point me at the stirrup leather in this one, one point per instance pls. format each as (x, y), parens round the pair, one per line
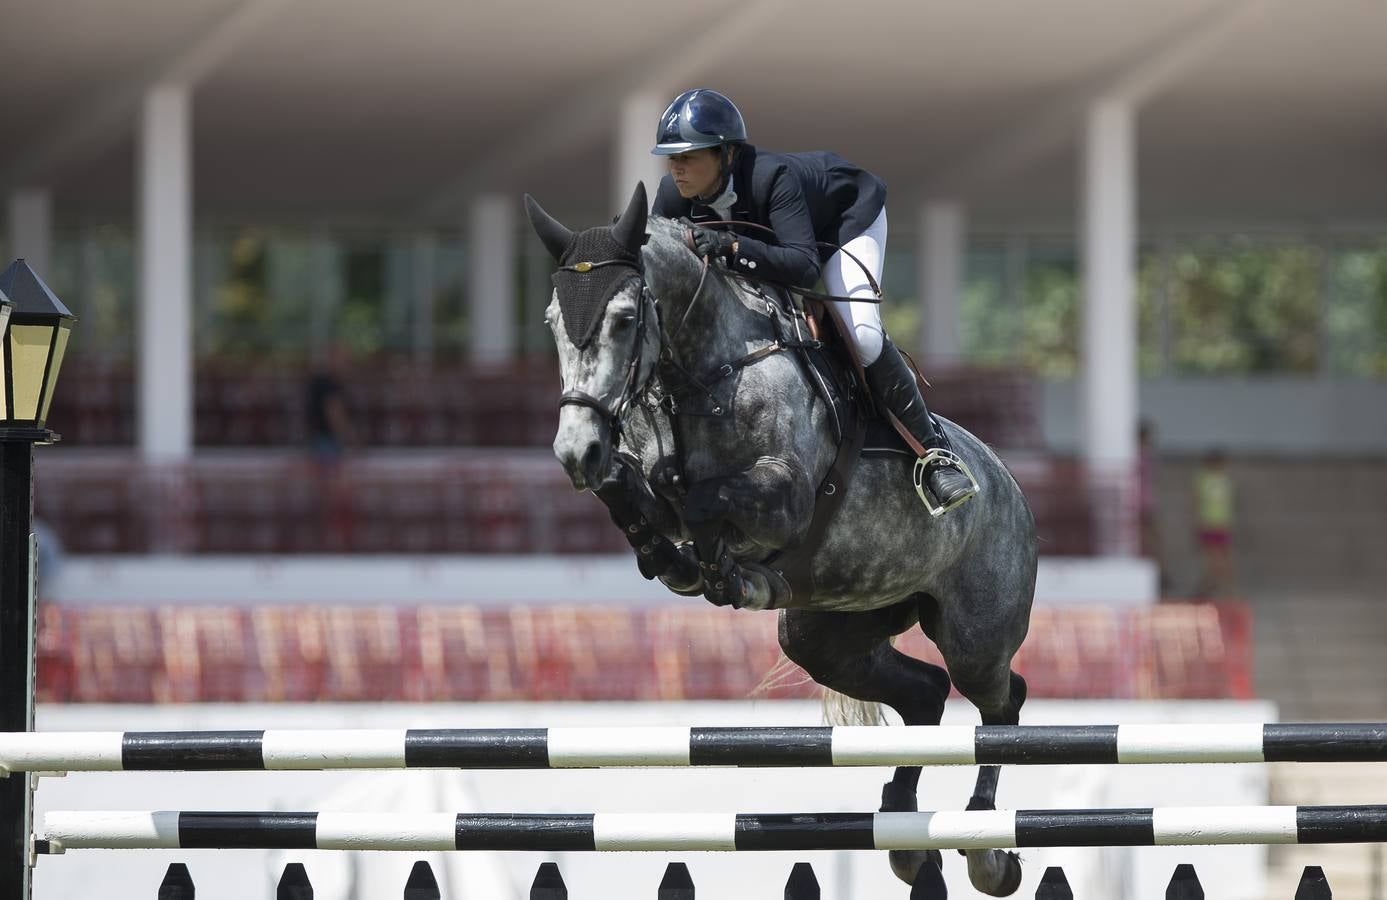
(920, 475)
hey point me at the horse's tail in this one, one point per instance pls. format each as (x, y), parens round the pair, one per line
(838, 709)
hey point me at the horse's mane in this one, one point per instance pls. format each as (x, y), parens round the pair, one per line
(662, 230)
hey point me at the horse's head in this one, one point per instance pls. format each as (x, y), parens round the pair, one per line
(603, 320)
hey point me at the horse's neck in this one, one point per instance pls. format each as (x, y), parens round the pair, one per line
(717, 327)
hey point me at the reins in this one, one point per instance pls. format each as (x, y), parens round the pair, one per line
(616, 413)
(803, 292)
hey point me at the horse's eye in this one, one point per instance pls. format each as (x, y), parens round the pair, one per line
(625, 320)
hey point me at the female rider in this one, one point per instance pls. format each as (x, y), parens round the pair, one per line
(715, 175)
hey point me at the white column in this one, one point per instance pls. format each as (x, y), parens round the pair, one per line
(635, 135)
(1108, 260)
(31, 229)
(164, 396)
(491, 278)
(423, 260)
(941, 259)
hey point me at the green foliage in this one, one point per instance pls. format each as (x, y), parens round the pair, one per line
(1246, 309)
(1050, 318)
(1208, 307)
(1356, 320)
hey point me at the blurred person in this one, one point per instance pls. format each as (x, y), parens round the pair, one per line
(329, 426)
(330, 433)
(1148, 486)
(50, 552)
(715, 175)
(1213, 496)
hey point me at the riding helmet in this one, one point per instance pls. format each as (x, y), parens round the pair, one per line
(698, 119)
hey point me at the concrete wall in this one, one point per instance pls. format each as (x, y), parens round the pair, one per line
(1265, 416)
(493, 580)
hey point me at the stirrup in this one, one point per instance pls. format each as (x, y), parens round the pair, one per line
(948, 457)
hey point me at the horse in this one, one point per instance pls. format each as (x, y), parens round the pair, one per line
(682, 444)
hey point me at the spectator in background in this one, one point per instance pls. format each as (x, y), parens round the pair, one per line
(329, 426)
(50, 554)
(1147, 487)
(1213, 497)
(330, 434)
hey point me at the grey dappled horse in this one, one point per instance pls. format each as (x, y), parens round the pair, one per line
(750, 473)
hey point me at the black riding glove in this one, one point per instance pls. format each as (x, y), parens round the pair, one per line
(712, 243)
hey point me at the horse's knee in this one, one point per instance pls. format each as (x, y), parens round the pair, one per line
(988, 687)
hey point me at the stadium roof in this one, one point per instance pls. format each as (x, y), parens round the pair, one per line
(1251, 111)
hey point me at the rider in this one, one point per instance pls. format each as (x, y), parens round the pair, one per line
(715, 175)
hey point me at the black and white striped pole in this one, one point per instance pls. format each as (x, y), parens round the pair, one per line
(33, 341)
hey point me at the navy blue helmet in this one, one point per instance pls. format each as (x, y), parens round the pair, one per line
(698, 119)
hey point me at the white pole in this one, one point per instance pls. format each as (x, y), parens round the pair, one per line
(638, 120)
(491, 267)
(165, 377)
(31, 229)
(1109, 341)
(942, 248)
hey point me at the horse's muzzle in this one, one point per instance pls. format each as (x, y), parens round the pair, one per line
(582, 448)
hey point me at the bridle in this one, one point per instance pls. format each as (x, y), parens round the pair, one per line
(615, 414)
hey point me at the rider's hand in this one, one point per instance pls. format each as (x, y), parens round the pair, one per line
(713, 244)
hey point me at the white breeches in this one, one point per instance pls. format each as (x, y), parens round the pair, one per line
(843, 277)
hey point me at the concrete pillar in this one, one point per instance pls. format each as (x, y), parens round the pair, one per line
(327, 288)
(31, 229)
(635, 135)
(423, 266)
(1109, 339)
(491, 278)
(941, 257)
(164, 393)
(539, 290)
(1108, 260)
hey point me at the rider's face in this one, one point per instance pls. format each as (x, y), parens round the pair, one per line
(695, 173)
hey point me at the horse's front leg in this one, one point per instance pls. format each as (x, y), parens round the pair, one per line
(769, 502)
(645, 520)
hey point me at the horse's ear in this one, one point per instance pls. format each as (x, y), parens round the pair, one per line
(552, 233)
(629, 230)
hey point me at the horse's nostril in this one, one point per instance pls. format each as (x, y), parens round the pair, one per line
(592, 458)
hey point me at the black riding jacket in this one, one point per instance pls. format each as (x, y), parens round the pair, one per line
(805, 197)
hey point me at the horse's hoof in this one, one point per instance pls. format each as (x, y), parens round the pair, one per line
(898, 798)
(909, 864)
(996, 873)
(929, 881)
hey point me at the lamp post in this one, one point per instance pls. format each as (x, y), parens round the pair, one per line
(32, 345)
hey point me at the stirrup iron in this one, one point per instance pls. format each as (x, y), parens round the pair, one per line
(921, 476)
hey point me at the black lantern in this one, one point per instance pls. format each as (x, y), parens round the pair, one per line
(31, 353)
(5, 308)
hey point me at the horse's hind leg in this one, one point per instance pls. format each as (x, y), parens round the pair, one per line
(851, 653)
(998, 693)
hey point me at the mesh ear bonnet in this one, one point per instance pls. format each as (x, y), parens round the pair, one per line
(583, 296)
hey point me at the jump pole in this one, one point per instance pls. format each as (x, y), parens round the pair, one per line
(800, 747)
(672, 832)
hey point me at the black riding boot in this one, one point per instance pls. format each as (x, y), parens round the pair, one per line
(894, 386)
